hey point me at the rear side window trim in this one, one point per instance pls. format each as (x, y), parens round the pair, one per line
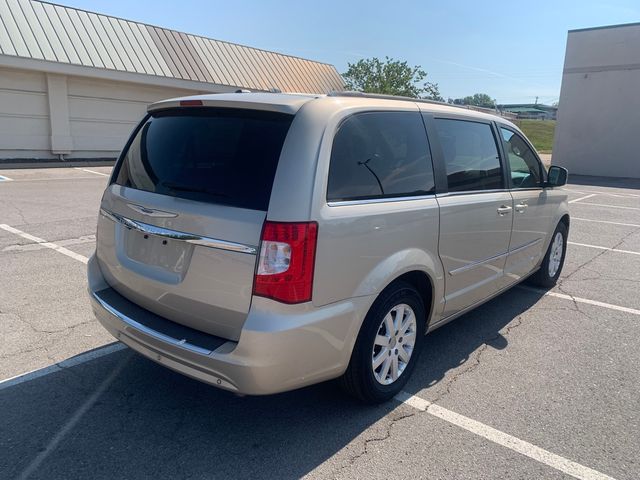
(367, 201)
(471, 192)
(134, 133)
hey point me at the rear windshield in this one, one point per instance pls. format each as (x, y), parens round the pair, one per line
(216, 155)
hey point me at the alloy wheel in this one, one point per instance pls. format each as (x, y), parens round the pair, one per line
(555, 257)
(394, 344)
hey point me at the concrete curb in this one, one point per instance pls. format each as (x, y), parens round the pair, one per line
(16, 163)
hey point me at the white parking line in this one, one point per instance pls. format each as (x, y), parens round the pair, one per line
(587, 301)
(5, 179)
(71, 423)
(44, 243)
(608, 206)
(93, 171)
(56, 367)
(496, 436)
(621, 195)
(603, 248)
(582, 198)
(606, 221)
(32, 247)
(504, 439)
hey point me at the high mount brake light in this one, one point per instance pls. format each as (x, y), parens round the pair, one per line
(191, 103)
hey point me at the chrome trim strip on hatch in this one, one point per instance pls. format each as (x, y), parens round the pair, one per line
(144, 329)
(176, 235)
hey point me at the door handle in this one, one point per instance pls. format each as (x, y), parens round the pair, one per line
(521, 207)
(503, 210)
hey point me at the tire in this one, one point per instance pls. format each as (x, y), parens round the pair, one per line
(372, 384)
(552, 264)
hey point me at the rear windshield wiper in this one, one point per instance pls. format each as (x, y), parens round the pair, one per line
(191, 188)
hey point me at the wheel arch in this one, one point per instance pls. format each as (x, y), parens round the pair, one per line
(423, 283)
(418, 267)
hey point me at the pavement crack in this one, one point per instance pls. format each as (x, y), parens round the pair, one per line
(18, 210)
(47, 338)
(65, 329)
(68, 328)
(593, 259)
(34, 246)
(473, 363)
(560, 285)
(386, 434)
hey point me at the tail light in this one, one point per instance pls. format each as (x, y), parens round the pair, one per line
(287, 259)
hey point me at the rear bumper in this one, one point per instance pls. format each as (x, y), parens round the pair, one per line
(281, 347)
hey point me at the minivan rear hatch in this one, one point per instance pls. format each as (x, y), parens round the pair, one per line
(180, 223)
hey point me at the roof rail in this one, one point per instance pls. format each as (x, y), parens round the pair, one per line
(388, 97)
(411, 99)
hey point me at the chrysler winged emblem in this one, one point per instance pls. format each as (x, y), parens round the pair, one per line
(150, 212)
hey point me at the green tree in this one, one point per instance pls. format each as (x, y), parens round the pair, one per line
(477, 99)
(390, 77)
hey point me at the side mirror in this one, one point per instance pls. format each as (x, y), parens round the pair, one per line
(557, 176)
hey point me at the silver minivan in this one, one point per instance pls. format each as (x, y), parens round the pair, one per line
(261, 242)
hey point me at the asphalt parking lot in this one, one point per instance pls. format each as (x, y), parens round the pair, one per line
(531, 385)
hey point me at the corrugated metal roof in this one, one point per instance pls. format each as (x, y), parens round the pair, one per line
(44, 31)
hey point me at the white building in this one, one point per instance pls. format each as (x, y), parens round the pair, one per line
(598, 130)
(75, 83)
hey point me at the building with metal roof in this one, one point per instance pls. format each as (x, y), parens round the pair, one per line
(74, 83)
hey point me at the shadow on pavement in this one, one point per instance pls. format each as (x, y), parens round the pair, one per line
(153, 423)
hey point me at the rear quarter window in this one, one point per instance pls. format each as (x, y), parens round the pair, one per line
(216, 155)
(380, 155)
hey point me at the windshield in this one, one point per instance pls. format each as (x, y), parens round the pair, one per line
(216, 155)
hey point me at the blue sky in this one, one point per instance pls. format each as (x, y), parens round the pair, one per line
(512, 50)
